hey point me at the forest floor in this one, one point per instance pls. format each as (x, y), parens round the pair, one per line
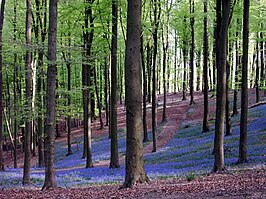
(179, 169)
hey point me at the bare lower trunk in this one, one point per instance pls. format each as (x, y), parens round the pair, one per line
(135, 172)
(244, 87)
(50, 181)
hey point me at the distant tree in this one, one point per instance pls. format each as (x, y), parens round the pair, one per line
(15, 82)
(156, 15)
(3, 2)
(144, 95)
(222, 23)
(237, 63)
(114, 162)
(135, 172)
(28, 80)
(50, 181)
(257, 73)
(205, 70)
(244, 87)
(185, 52)
(191, 63)
(40, 29)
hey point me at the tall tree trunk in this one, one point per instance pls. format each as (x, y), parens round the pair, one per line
(50, 181)
(99, 106)
(175, 64)
(223, 13)
(87, 68)
(114, 161)
(154, 74)
(165, 48)
(1, 84)
(205, 127)
(28, 80)
(69, 149)
(244, 87)
(262, 68)
(191, 72)
(237, 62)
(135, 172)
(227, 105)
(41, 23)
(144, 88)
(15, 75)
(106, 93)
(184, 50)
(257, 76)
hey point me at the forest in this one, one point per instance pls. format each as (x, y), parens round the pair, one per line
(107, 95)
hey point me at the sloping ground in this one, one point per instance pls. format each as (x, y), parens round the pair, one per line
(244, 184)
(187, 153)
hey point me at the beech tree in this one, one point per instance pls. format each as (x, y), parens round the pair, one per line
(156, 22)
(135, 172)
(114, 162)
(222, 23)
(50, 181)
(205, 127)
(28, 80)
(244, 87)
(2, 12)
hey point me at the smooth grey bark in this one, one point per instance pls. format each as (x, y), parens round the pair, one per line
(184, 51)
(222, 23)
(237, 62)
(86, 79)
(41, 28)
(144, 90)
(244, 87)
(156, 14)
(50, 181)
(135, 172)
(114, 160)
(28, 80)
(205, 127)
(191, 63)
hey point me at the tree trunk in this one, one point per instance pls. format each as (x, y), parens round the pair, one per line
(99, 106)
(165, 48)
(184, 50)
(1, 85)
(235, 111)
(114, 161)
(15, 75)
(262, 68)
(106, 95)
(86, 70)
(144, 95)
(205, 127)
(175, 64)
(50, 181)
(134, 149)
(257, 77)
(28, 80)
(244, 92)
(191, 72)
(227, 105)
(69, 149)
(223, 13)
(154, 74)
(41, 23)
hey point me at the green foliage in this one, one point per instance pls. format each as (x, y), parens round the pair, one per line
(190, 177)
